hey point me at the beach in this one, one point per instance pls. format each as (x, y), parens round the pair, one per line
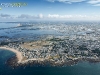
(18, 54)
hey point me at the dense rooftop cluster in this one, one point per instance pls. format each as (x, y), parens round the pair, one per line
(61, 49)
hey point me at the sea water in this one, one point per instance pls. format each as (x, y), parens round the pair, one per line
(82, 68)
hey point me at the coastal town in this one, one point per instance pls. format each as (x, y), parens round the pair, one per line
(73, 43)
(57, 49)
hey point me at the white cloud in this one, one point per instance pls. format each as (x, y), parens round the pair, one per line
(40, 15)
(53, 16)
(26, 17)
(22, 16)
(73, 17)
(59, 16)
(94, 2)
(66, 1)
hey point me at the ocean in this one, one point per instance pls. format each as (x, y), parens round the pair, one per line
(82, 68)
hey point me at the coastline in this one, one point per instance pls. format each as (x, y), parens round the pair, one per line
(18, 54)
(18, 60)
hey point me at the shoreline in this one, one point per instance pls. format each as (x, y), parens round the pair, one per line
(15, 61)
(18, 54)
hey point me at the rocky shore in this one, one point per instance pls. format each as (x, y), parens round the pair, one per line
(13, 62)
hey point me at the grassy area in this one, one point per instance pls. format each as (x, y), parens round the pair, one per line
(35, 44)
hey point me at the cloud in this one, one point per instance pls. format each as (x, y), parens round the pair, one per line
(66, 1)
(25, 16)
(94, 2)
(22, 17)
(66, 16)
(59, 16)
(40, 15)
(53, 16)
(5, 15)
(73, 17)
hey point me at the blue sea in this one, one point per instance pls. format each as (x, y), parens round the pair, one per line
(82, 68)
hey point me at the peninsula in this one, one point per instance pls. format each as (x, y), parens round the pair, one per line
(59, 50)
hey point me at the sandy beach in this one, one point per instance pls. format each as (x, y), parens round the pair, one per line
(18, 54)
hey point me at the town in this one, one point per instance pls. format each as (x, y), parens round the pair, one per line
(58, 49)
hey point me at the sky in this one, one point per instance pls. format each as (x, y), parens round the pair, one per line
(50, 10)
